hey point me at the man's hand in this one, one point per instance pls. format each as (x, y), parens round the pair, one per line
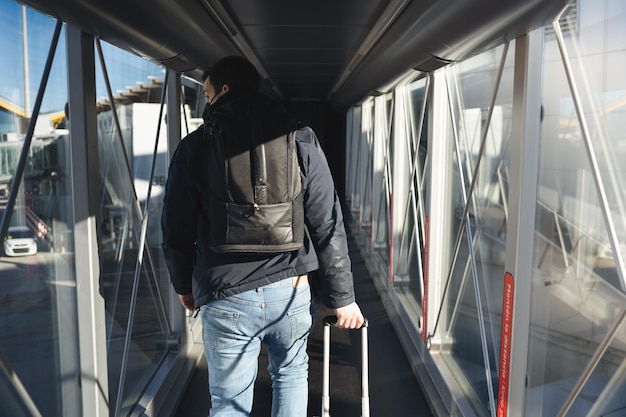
(187, 301)
(349, 317)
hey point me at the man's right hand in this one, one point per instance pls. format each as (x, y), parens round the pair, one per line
(349, 317)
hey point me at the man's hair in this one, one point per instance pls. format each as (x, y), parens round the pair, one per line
(235, 71)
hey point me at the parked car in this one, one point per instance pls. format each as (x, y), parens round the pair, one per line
(20, 241)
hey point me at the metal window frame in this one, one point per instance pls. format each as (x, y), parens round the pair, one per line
(364, 180)
(352, 123)
(407, 198)
(400, 185)
(349, 175)
(522, 203)
(440, 180)
(85, 200)
(174, 108)
(161, 396)
(381, 188)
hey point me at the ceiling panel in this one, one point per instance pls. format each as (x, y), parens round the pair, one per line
(316, 13)
(305, 37)
(305, 42)
(310, 55)
(309, 69)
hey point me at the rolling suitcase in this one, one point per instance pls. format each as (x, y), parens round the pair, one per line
(365, 399)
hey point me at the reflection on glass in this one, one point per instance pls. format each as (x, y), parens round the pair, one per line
(38, 323)
(138, 328)
(353, 159)
(578, 333)
(193, 105)
(471, 314)
(382, 151)
(366, 165)
(409, 273)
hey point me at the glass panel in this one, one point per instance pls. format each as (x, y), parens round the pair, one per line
(193, 105)
(578, 295)
(474, 297)
(38, 321)
(382, 175)
(366, 165)
(354, 160)
(137, 321)
(411, 252)
(462, 349)
(607, 382)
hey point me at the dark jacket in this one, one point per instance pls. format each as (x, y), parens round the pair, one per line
(195, 268)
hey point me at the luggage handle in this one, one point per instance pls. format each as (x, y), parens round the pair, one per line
(365, 399)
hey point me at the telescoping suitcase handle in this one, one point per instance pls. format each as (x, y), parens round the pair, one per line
(365, 396)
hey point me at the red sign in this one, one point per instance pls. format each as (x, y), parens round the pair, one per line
(505, 345)
(425, 273)
(390, 237)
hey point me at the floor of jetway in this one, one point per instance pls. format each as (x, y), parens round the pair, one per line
(394, 390)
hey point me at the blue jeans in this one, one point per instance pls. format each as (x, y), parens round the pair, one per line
(278, 315)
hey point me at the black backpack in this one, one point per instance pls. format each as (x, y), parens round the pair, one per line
(255, 202)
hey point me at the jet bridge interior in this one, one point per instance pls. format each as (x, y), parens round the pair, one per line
(476, 148)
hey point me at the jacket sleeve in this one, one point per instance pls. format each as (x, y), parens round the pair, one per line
(324, 220)
(179, 222)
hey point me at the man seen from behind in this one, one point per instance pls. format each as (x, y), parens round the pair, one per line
(252, 297)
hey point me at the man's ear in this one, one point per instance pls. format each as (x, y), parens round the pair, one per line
(225, 88)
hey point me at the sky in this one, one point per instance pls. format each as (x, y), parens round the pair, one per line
(124, 68)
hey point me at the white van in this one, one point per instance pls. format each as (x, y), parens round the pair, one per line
(20, 241)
